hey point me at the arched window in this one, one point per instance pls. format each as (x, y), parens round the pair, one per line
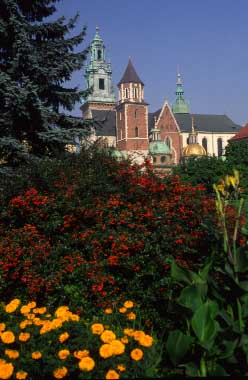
(99, 55)
(205, 143)
(126, 92)
(136, 132)
(168, 142)
(135, 93)
(219, 146)
(135, 113)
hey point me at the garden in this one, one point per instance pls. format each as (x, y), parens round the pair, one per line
(109, 271)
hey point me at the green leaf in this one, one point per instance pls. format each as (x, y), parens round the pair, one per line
(242, 261)
(191, 369)
(193, 296)
(179, 274)
(217, 370)
(244, 300)
(204, 325)
(205, 271)
(177, 345)
(229, 348)
(243, 285)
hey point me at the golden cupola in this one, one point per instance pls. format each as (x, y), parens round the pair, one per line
(193, 148)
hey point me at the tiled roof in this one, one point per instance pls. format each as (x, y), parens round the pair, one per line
(104, 122)
(130, 75)
(203, 122)
(242, 134)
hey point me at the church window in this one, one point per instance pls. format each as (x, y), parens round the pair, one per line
(154, 160)
(136, 131)
(126, 93)
(162, 159)
(99, 55)
(205, 143)
(219, 146)
(187, 141)
(135, 113)
(101, 84)
(135, 93)
(168, 142)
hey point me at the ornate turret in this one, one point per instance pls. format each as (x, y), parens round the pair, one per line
(98, 75)
(131, 88)
(193, 148)
(180, 105)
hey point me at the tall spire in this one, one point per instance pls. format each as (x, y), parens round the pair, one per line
(130, 75)
(180, 105)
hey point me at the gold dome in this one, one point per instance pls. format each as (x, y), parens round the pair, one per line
(194, 150)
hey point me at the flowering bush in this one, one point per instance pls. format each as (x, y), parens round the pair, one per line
(36, 344)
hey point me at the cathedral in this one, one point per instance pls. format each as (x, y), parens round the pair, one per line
(126, 127)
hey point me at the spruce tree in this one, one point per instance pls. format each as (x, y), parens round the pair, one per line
(37, 57)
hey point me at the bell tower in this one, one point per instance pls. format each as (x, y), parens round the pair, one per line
(132, 115)
(180, 105)
(98, 75)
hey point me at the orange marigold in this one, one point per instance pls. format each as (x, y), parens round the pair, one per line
(81, 354)
(131, 316)
(97, 328)
(12, 354)
(21, 375)
(6, 369)
(63, 337)
(112, 374)
(2, 327)
(36, 355)
(24, 337)
(108, 310)
(25, 309)
(122, 310)
(128, 304)
(106, 351)
(12, 306)
(118, 347)
(146, 341)
(136, 354)
(107, 336)
(86, 364)
(59, 373)
(121, 367)
(63, 354)
(7, 337)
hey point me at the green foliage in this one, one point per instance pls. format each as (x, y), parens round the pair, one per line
(36, 59)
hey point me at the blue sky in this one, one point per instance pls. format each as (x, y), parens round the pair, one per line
(208, 39)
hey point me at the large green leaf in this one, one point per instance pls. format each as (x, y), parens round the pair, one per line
(177, 345)
(193, 296)
(204, 325)
(205, 271)
(217, 370)
(230, 346)
(179, 274)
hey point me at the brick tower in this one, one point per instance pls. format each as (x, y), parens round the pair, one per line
(132, 116)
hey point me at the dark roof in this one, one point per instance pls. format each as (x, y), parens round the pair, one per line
(202, 122)
(130, 75)
(104, 122)
(242, 134)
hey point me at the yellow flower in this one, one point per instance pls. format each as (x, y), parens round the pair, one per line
(63, 354)
(12, 306)
(23, 337)
(56, 323)
(6, 370)
(128, 304)
(124, 340)
(128, 332)
(59, 373)
(61, 311)
(138, 334)
(86, 364)
(38, 322)
(32, 304)
(2, 327)
(107, 336)
(63, 337)
(146, 341)
(97, 328)
(12, 354)
(131, 316)
(74, 317)
(25, 309)
(112, 374)
(80, 354)
(118, 347)
(30, 316)
(40, 310)
(106, 351)
(7, 337)
(25, 323)
(108, 311)
(21, 375)
(136, 354)
(121, 367)
(36, 355)
(122, 310)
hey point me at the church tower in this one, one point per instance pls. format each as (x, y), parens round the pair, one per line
(180, 105)
(98, 75)
(132, 115)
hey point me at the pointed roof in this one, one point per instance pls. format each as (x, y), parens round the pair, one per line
(130, 75)
(241, 134)
(180, 105)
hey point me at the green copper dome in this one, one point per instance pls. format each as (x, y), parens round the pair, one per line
(158, 147)
(114, 153)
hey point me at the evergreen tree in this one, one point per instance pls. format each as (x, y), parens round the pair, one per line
(36, 59)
